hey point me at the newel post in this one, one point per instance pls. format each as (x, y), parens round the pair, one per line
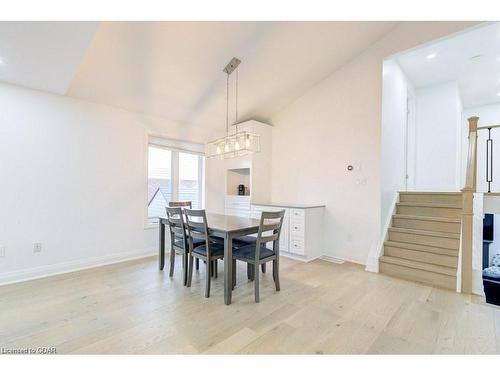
(468, 208)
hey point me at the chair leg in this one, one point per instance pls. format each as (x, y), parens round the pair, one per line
(185, 260)
(172, 262)
(276, 274)
(234, 273)
(216, 268)
(263, 266)
(207, 282)
(190, 275)
(197, 264)
(250, 271)
(256, 281)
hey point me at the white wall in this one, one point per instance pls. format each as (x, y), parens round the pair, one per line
(73, 177)
(336, 123)
(438, 134)
(393, 136)
(488, 114)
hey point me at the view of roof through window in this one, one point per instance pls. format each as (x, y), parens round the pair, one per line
(160, 181)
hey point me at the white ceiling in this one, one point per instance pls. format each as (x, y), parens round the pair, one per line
(174, 69)
(471, 58)
(43, 55)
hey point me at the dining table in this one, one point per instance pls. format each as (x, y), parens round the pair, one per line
(226, 227)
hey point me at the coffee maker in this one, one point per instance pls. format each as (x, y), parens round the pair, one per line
(241, 189)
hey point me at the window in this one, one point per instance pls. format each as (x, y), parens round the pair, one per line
(159, 181)
(173, 175)
(189, 178)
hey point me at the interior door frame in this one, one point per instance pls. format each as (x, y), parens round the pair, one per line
(410, 141)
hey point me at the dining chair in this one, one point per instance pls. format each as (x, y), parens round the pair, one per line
(210, 251)
(184, 204)
(178, 239)
(196, 242)
(244, 241)
(258, 254)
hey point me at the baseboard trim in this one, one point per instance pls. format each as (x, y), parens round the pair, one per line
(331, 259)
(72, 266)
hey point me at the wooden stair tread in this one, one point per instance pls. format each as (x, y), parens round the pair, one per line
(428, 218)
(423, 248)
(448, 271)
(433, 205)
(422, 245)
(425, 232)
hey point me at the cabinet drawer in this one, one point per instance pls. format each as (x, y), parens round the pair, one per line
(296, 246)
(297, 214)
(297, 228)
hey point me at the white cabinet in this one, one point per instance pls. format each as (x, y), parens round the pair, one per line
(237, 205)
(256, 213)
(302, 231)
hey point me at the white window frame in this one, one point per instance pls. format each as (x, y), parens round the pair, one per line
(175, 147)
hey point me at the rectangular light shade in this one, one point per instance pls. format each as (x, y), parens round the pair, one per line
(239, 144)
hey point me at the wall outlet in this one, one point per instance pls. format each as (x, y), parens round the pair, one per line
(37, 247)
(2, 251)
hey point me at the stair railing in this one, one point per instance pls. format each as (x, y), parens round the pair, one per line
(468, 197)
(468, 208)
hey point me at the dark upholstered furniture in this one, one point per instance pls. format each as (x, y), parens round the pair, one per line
(491, 281)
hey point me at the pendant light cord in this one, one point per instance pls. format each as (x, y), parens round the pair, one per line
(236, 101)
(227, 105)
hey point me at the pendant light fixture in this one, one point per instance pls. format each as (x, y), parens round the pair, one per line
(239, 143)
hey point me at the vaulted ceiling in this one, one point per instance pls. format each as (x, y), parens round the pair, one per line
(43, 55)
(174, 69)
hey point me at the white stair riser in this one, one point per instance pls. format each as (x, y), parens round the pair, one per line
(421, 256)
(412, 274)
(431, 198)
(450, 243)
(429, 211)
(437, 226)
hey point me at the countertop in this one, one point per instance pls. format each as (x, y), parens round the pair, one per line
(288, 205)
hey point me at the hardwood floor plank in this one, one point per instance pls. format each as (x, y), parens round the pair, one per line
(322, 308)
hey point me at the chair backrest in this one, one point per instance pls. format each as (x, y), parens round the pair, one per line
(197, 227)
(269, 222)
(176, 224)
(180, 204)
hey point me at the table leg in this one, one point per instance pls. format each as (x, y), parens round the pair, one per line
(228, 268)
(161, 250)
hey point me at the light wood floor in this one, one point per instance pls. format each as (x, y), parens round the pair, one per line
(322, 308)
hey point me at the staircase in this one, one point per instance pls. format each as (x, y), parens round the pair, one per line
(423, 241)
